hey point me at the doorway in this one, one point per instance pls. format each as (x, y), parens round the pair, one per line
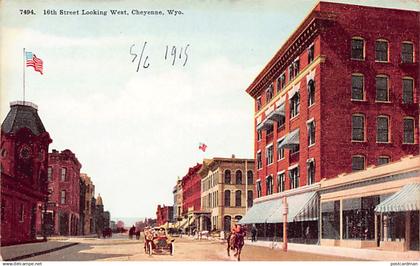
(414, 230)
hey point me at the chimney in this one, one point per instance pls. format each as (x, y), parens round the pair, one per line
(233, 156)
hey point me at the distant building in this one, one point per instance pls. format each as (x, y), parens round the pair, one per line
(191, 198)
(177, 193)
(23, 167)
(226, 192)
(164, 215)
(63, 214)
(102, 217)
(87, 192)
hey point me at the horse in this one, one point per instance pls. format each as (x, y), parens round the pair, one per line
(235, 241)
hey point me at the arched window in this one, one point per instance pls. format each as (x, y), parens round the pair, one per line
(227, 223)
(227, 177)
(238, 198)
(311, 92)
(269, 185)
(238, 176)
(250, 198)
(227, 198)
(250, 176)
(238, 218)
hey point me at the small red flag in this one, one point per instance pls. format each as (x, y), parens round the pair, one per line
(202, 146)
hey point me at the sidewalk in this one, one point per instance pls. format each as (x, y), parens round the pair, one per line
(356, 253)
(23, 251)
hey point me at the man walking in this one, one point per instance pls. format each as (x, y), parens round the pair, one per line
(253, 233)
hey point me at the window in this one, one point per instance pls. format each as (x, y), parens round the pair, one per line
(359, 218)
(311, 53)
(408, 130)
(280, 151)
(330, 215)
(358, 127)
(281, 82)
(269, 93)
(357, 49)
(383, 160)
(280, 122)
(311, 92)
(227, 198)
(294, 105)
(296, 67)
(21, 212)
(63, 174)
(357, 163)
(291, 72)
(238, 196)
(250, 177)
(227, 223)
(227, 177)
(280, 182)
(269, 130)
(294, 177)
(259, 160)
(381, 51)
(250, 198)
(269, 154)
(50, 170)
(382, 134)
(63, 197)
(258, 185)
(258, 103)
(382, 89)
(259, 134)
(408, 89)
(269, 185)
(310, 165)
(357, 88)
(311, 132)
(238, 177)
(407, 53)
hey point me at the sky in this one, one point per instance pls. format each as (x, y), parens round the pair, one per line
(136, 131)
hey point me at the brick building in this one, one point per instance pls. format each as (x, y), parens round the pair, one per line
(87, 213)
(191, 198)
(64, 188)
(24, 163)
(226, 192)
(342, 93)
(164, 215)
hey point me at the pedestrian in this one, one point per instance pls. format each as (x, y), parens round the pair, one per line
(253, 233)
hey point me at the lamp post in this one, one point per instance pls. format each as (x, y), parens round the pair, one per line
(285, 211)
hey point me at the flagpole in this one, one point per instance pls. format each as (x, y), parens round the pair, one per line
(24, 55)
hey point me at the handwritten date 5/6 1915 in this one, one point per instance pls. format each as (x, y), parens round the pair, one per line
(174, 55)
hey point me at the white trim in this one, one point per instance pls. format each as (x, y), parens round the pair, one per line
(293, 166)
(269, 110)
(294, 90)
(310, 120)
(311, 76)
(280, 139)
(269, 145)
(281, 172)
(281, 101)
(259, 119)
(310, 160)
(259, 151)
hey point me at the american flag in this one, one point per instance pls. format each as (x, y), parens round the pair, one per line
(202, 146)
(35, 62)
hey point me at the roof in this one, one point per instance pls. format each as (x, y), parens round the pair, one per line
(22, 115)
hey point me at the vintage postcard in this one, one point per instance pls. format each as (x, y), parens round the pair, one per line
(210, 130)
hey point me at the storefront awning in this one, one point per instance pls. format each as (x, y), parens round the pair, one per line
(290, 140)
(267, 123)
(277, 114)
(183, 224)
(260, 212)
(302, 207)
(407, 199)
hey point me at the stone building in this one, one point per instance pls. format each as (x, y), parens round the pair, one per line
(87, 213)
(226, 192)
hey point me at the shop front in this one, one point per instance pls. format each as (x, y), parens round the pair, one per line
(375, 208)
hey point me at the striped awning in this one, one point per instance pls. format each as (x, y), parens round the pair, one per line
(267, 123)
(290, 140)
(278, 113)
(302, 207)
(407, 199)
(260, 212)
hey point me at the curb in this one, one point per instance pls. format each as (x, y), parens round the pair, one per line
(40, 252)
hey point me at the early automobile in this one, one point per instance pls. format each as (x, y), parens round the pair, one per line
(157, 241)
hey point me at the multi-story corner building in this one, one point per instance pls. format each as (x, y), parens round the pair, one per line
(191, 198)
(87, 193)
(342, 93)
(164, 215)
(226, 192)
(62, 215)
(23, 167)
(177, 191)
